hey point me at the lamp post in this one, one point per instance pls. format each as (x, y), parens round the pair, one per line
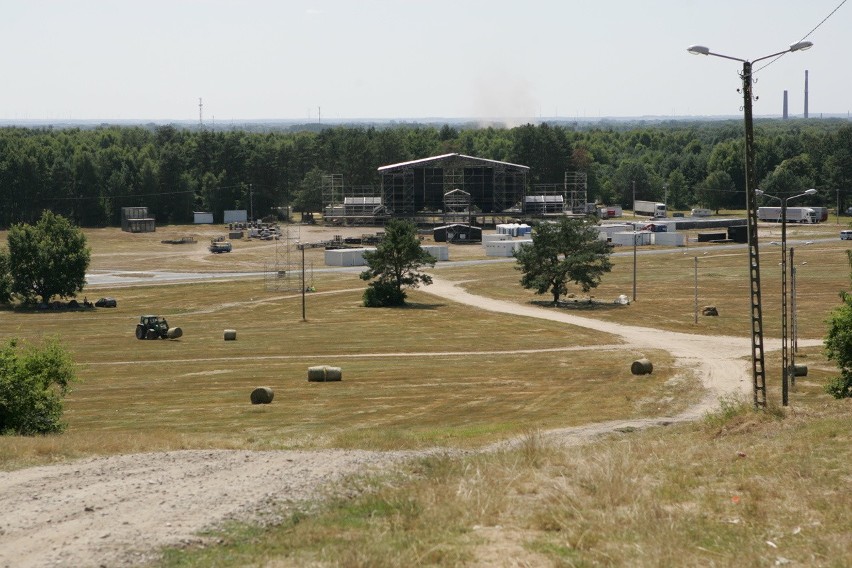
(787, 364)
(301, 247)
(757, 361)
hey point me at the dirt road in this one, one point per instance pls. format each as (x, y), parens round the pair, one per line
(117, 511)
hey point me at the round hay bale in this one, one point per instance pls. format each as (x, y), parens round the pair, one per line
(174, 332)
(316, 374)
(641, 367)
(230, 335)
(800, 370)
(333, 373)
(262, 395)
(323, 373)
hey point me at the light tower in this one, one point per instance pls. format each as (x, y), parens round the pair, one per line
(200, 117)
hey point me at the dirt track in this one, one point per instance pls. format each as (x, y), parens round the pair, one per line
(117, 511)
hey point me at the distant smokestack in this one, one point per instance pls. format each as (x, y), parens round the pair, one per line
(806, 93)
(785, 105)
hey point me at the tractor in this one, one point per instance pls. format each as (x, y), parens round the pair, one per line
(156, 327)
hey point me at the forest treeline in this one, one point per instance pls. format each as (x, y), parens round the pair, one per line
(88, 175)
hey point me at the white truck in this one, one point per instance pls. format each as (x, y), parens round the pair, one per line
(649, 208)
(794, 214)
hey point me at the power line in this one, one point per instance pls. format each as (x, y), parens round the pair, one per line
(807, 35)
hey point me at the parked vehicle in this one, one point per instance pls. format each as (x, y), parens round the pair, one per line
(220, 246)
(794, 214)
(650, 208)
(106, 303)
(701, 212)
(609, 211)
(156, 327)
(846, 235)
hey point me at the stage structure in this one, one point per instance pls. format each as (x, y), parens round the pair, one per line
(351, 205)
(457, 207)
(422, 186)
(576, 189)
(570, 197)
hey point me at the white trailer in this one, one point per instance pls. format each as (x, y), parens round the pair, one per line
(649, 208)
(794, 214)
(609, 211)
(821, 213)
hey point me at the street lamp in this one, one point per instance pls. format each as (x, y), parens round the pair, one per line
(757, 361)
(787, 364)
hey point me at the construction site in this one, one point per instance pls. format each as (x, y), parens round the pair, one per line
(451, 189)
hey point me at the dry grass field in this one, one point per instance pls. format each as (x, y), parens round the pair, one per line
(739, 488)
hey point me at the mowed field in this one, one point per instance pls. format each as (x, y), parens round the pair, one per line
(432, 374)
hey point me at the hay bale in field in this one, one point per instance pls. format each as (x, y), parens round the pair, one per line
(262, 395)
(316, 374)
(641, 367)
(800, 370)
(333, 374)
(324, 373)
(230, 335)
(709, 311)
(174, 332)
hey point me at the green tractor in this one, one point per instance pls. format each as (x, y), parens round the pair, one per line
(156, 327)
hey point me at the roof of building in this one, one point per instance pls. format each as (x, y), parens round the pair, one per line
(442, 157)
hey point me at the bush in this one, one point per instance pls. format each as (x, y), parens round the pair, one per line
(382, 294)
(33, 382)
(840, 387)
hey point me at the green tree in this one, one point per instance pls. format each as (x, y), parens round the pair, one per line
(838, 344)
(47, 259)
(395, 265)
(32, 383)
(563, 252)
(308, 199)
(5, 278)
(716, 190)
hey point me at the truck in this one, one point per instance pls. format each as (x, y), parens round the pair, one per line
(649, 208)
(821, 213)
(609, 211)
(794, 214)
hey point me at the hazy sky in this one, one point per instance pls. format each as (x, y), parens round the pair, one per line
(359, 59)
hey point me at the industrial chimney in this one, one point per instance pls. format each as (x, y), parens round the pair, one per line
(784, 114)
(806, 93)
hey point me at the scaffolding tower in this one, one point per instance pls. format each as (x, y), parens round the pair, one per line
(576, 191)
(283, 273)
(332, 190)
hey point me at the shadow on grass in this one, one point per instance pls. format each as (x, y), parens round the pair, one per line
(420, 306)
(584, 305)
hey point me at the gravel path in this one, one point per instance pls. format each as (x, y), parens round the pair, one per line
(118, 511)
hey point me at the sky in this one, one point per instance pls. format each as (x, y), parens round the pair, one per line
(514, 60)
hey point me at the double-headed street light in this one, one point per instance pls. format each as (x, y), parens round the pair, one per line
(757, 361)
(787, 364)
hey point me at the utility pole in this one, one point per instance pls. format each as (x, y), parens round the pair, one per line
(634, 263)
(696, 290)
(304, 317)
(634, 202)
(251, 203)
